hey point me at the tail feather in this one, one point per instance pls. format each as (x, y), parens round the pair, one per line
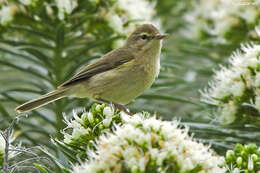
(41, 101)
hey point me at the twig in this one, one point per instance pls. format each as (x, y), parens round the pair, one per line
(26, 160)
(32, 167)
(6, 136)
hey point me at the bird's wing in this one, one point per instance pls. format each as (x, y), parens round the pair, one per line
(109, 61)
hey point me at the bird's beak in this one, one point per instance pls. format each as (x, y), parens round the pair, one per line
(161, 36)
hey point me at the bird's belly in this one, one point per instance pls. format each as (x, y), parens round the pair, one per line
(119, 85)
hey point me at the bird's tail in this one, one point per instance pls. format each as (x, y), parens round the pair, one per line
(41, 101)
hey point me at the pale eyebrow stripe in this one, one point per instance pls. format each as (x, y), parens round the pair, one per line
(145, 33)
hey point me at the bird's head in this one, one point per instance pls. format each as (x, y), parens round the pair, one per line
(144, 37)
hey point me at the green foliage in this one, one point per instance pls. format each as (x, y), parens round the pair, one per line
(1, 160)
(44, 45)
(45, 51)
(244, 157)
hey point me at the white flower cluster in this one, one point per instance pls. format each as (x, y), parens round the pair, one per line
(65, 7)
(133, 11)
(127, 14)
(150, 145)
(78, 124)
(236, 89)
(122, 16)
(224, 20)
(77, 127)
(7, 13)
(27, 2)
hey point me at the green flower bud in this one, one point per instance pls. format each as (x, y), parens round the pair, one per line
(230, 155)
(258, 151)
(239, 148)
(239, 161)
(244, 154)
(90, 117)
(254, 157)
(101, 126)
(251, 148)
(99, 108)
(84, 117)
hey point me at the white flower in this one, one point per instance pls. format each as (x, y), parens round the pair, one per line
(7, 13)
(124, 116)
(250, 165)
(221, 19)
(133, 146)
(77, 127)
(26, 2)
(236, 170)
(257, 100)
(2, 144)
(76, 117)
(108, 111)
(90, 117)
(190, 76)
(131, 13)
(257, 80)
(65, 7)
(107, 121)
(11, 153)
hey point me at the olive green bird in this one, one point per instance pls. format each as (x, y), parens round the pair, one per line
(118, 77)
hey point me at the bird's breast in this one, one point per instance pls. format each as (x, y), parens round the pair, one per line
(150, 62)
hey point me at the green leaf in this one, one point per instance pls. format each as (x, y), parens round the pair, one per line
(77, 66)
(27, 70)
(31, 31)
(60, 35)
(39, 55)
(21, 90)
(44, 117)
(4, 112)
(59, 165)
(66, 150)
(82, 21)
(169, 98)
(92, 45)
(18, 54)
(41, 168)
(22, 43)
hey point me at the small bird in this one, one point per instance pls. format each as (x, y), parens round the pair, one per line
(116, 78)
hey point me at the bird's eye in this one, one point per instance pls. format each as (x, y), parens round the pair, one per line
(144, 37)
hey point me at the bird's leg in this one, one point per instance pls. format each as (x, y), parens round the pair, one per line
(118, 106)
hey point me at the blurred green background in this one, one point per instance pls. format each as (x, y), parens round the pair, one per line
(39, 51)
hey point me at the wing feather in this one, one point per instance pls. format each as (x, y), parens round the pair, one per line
(109, 61)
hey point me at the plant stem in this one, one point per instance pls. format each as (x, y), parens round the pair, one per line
(5, 164)
(59, 64)
(6, 135)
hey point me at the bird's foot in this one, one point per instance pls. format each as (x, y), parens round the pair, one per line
(116, 105)
(122, 108)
